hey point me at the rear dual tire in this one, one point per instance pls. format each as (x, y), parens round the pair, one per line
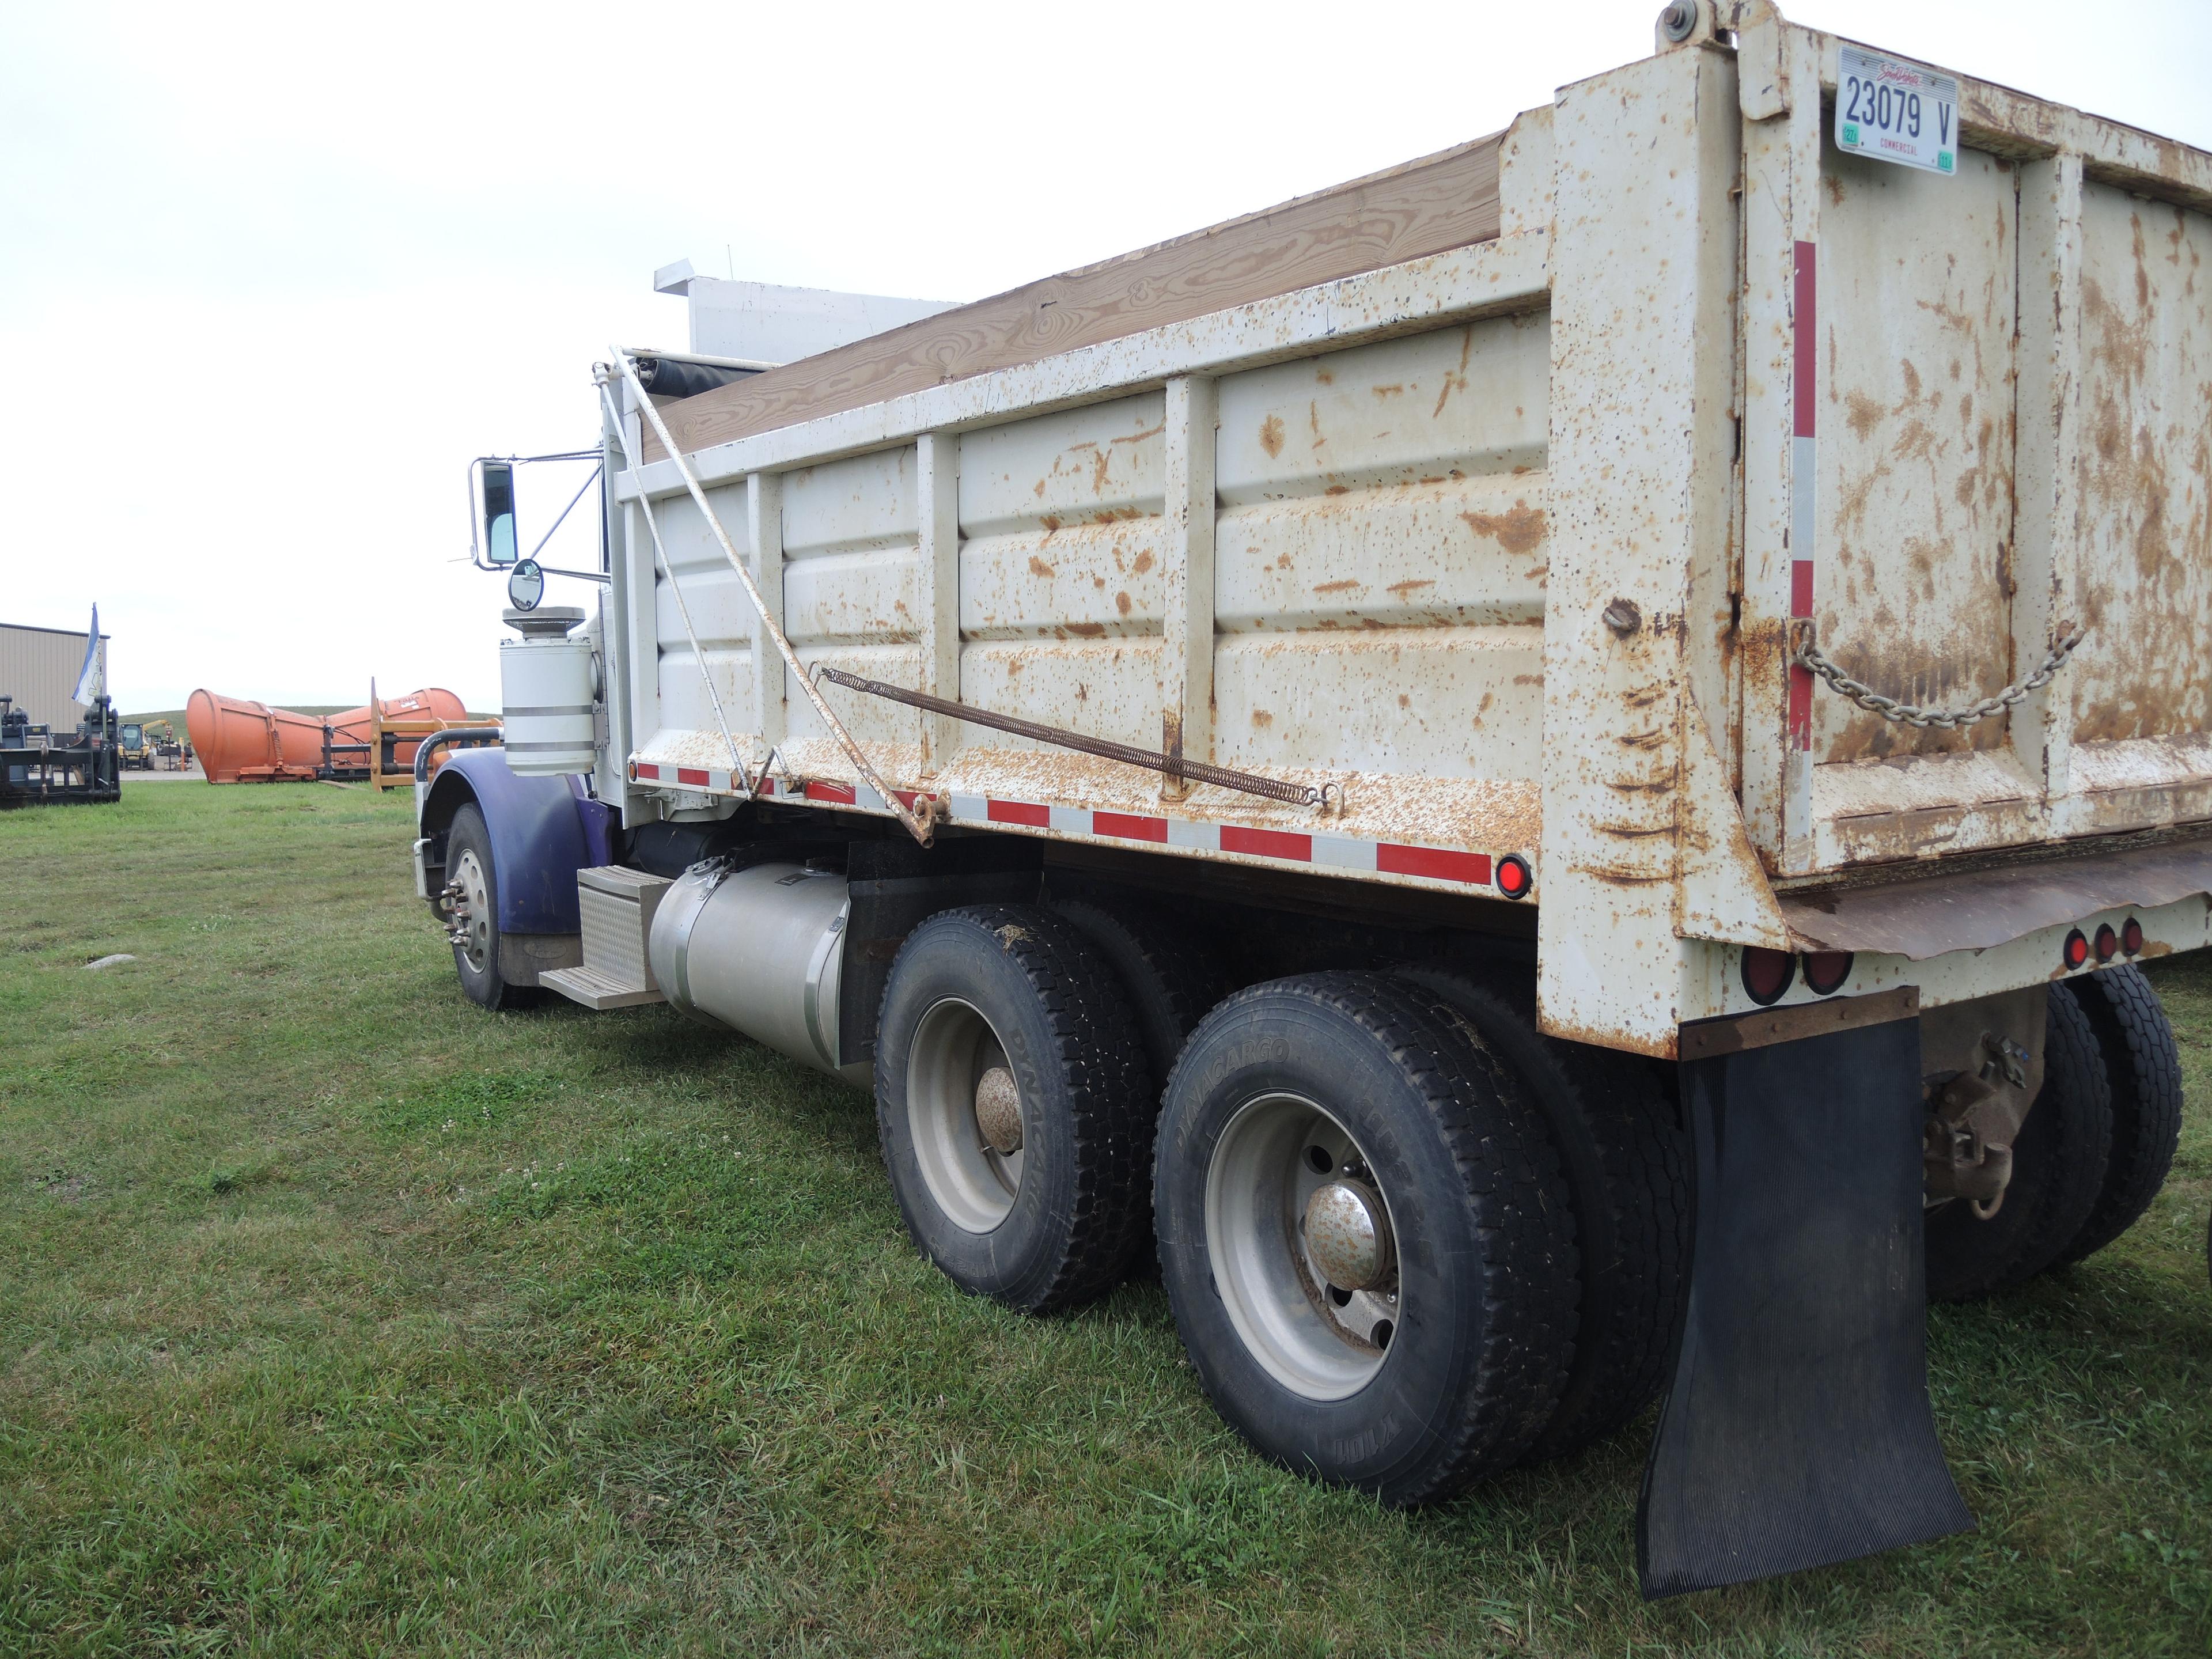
(2092, 1150)
(1617, 1130)
(1013, 1107)
(1447, 1368)
(2143, 1071)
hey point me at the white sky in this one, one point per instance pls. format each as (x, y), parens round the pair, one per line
(270, 276)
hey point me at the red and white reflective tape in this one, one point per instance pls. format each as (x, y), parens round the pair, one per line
(714, 781)
(1804, 457)
(1456, 866)
(711, 780)
(1509, 874)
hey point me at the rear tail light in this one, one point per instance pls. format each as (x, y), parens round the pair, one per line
(2108, 943)
(2075, 950)
(1767, 974)
(1827, 970)
(2131, 936)
(1513, 878)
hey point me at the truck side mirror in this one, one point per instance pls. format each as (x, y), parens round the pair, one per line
(497, 489)
(525, 585)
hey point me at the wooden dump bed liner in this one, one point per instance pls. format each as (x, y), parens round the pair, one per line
(1439, 202)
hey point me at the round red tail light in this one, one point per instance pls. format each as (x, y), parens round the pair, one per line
(1513, 878)
(2131, 936)
(1767, 974)
(2108, 943)
(1827, 970)
(2075, 950)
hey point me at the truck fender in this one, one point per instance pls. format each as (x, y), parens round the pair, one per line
(544, 830)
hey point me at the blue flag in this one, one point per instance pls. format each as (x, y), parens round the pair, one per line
(88, 677)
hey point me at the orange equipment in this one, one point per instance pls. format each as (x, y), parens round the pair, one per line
(239, 741)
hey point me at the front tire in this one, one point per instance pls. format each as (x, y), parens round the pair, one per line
(475, 915)
(1421, 1347)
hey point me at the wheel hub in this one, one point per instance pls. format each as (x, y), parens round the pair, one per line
(1303, 1247)
(999, 1111)
(1348, 1234)
(965, 1113)
(470, 931)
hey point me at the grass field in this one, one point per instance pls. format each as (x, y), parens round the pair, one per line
(338, 1316)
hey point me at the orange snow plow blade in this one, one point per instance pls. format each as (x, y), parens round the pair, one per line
(239, 741)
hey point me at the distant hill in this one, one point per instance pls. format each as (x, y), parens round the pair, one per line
(176, 716)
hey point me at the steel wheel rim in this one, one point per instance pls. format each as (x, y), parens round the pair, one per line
(973, 1183)
(475, 944)
(1319, 1342)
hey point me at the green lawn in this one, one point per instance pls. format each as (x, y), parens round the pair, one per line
(337, 1315)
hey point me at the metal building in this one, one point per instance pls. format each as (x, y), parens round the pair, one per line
(39, 669)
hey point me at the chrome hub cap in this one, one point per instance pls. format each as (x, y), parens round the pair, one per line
(964, 1112)
(1304, 1256)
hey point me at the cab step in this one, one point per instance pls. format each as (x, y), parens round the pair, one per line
(617, 905)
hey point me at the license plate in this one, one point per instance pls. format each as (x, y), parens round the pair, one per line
(1897, 112)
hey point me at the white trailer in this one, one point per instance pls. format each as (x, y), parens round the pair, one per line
(1379, 748)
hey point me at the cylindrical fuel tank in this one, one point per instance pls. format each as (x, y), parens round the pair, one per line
(546, 688)
(759, 950)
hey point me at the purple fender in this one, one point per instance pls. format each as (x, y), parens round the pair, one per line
(542, 831)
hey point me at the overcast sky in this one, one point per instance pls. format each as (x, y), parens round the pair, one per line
(270, 276)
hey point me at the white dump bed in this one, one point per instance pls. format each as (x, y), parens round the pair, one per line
(1495, 494)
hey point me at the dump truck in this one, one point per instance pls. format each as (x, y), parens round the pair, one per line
(1547, 774)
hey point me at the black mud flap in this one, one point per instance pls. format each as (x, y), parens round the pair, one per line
(1797, 1431)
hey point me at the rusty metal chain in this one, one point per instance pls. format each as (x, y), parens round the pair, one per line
(1808, 655)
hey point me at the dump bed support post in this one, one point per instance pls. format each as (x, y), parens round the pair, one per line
(764, 529)
(1640, 474)
(2047, 526)
(1781, 237)
(1187, 619)
(637, 584)
(610, 777)
(937, 488)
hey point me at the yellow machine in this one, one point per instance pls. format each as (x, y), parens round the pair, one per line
(165, 750)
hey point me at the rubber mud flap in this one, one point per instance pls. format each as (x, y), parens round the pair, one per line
(1797, 1431)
